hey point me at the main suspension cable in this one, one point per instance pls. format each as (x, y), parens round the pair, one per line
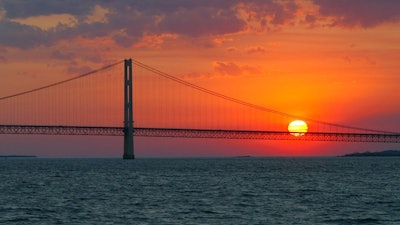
(60, 82)
(248, 104)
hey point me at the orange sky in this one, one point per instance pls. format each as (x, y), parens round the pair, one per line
(335, 61)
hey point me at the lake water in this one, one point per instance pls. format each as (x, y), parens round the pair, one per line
(200, 191)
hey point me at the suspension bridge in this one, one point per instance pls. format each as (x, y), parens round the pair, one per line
(119, 100)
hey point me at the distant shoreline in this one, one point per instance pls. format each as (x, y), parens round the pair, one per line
(18, 156)
(387, 153)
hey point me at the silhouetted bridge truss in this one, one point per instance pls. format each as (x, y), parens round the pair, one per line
(199, 133)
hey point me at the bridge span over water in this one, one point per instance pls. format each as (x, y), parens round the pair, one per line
(199, 133)
(82, 105)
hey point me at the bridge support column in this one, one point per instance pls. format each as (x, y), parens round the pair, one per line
(128, 111)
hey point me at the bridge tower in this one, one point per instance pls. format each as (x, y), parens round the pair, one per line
(128, 111)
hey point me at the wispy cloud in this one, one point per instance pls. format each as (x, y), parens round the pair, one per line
(256, 49)
(233, 69)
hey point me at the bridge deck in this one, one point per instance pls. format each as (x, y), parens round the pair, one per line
(199, 133)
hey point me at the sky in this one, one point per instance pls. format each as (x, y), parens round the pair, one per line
(330, 60)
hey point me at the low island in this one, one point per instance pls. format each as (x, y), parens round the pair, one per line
(382, 153)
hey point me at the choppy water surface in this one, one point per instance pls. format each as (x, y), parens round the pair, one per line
(200, 191)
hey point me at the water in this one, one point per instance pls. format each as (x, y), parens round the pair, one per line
(200, 191)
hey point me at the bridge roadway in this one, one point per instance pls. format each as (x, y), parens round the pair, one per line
(200, 133)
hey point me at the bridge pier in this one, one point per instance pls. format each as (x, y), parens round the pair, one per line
(128, 111)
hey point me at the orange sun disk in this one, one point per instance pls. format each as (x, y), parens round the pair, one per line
(297, 128)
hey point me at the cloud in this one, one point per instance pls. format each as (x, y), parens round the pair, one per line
(232, 69)
(79, 69)
(155, 41)
(76, 69)
(98, 15)
(222, 40)
(200, 21)
(48, 22)
(2, 13)
(359, 13)
(127, 22)
(256, 49)
(231, 49)
(267, 14)
(3, 52)
(360, 60)
(23, 23)
(20, 35)
(24, 9)
(57, 54)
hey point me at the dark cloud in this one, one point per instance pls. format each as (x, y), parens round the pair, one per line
(310, 19)
(363, 13)
(19, 35)
(86, 54)
(266, 14)
(3, 53)
(57, 54)
(202, 20)
(127, 21)
(24, 9)
(74, 68)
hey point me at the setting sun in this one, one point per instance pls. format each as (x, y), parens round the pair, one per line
(298, 128)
